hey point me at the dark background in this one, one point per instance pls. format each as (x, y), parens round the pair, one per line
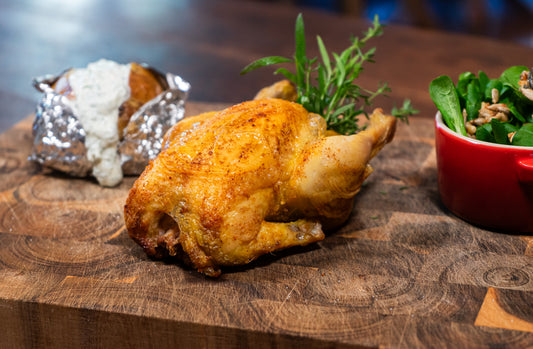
(501, 19)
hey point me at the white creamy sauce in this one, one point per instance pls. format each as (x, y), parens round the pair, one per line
(99, 91)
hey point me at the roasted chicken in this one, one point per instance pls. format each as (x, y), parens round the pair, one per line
(257, 177)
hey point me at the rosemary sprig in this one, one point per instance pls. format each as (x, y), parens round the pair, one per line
(327, 87)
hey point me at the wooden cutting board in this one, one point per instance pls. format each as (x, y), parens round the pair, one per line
(403, 272)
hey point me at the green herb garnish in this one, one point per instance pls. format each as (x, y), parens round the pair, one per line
(464, 102)
(326, 86)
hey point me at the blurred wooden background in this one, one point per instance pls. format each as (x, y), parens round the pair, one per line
(191, 37)
(500, 19)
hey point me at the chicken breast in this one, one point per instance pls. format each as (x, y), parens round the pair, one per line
(257, 177)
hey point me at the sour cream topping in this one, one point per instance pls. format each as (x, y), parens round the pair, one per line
(99, 90)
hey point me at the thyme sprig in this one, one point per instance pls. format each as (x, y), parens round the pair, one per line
(327, 87)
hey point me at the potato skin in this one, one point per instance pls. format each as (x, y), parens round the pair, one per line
(144, 86)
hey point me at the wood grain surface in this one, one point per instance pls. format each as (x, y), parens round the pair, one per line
(402, 273)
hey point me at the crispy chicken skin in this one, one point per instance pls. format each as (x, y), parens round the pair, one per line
(283, 89)
(257, 177)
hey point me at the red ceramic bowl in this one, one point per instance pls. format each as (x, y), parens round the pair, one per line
(486, 184)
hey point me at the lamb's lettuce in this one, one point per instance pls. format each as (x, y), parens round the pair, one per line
(471, 91)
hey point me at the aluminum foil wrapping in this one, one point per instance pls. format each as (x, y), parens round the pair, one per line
(59, 137)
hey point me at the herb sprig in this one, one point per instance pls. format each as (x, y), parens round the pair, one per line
(327, 87)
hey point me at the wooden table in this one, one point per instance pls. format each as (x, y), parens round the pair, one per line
(403, 272)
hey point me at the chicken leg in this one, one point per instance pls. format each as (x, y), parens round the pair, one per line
(333, 169)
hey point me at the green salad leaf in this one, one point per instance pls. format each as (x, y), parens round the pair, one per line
(446, 98)
(511, 76)
(473, 103)
(524, 136)
(484, 133)
(501, 131)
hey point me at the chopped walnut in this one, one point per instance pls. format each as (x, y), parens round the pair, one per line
(488, 111)
(470, 129)
(495, 94)
(526, 84)
(511, 136)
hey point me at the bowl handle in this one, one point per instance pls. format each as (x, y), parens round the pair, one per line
(525, 170)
